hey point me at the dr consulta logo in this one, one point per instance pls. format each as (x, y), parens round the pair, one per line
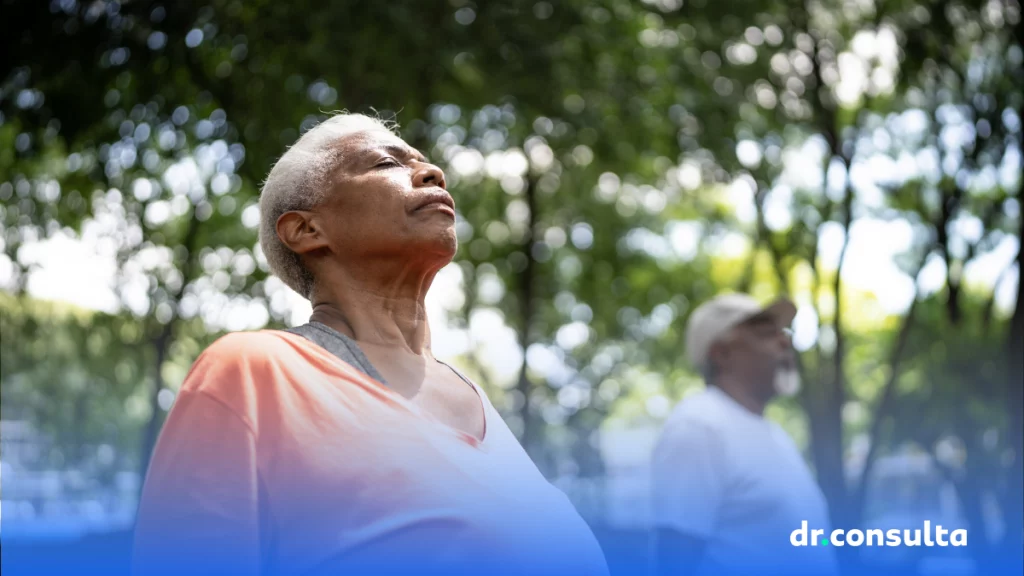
(874, 537)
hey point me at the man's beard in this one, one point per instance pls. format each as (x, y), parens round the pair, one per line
(787, 381)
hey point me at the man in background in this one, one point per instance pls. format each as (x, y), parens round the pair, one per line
(729, 486)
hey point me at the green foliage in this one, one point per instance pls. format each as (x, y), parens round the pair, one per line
(645, 140)
(73, 373)
(81, 376)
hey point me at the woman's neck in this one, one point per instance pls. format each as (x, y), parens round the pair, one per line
(374, 311)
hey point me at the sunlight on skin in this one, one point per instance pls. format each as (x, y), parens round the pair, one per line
(445, 298)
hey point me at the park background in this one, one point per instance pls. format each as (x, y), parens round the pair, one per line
(614, 164)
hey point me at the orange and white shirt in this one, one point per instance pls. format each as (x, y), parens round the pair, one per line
(278, 458)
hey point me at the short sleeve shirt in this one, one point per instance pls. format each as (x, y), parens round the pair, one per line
(736, 480)
(278, 458)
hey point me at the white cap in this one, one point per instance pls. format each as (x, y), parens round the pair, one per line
(714, 318)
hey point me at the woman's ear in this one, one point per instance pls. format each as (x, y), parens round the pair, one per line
(300, 232)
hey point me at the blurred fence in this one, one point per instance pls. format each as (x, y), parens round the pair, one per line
(40, 502)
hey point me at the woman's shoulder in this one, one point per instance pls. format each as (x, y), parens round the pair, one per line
(243, 345)
(236, 357)
(253, 349)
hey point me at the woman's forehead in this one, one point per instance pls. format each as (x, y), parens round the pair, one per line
(368, 142)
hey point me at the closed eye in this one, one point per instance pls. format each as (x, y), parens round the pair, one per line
(388, 163)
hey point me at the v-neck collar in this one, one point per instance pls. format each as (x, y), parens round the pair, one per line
(353, 348)
(365, 366)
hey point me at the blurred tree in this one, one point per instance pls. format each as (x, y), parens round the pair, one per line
(841, 85)
(79, 377)
(963, 70)
(614, 163)
(130, 92)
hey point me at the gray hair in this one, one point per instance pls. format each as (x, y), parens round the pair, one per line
(299, 181)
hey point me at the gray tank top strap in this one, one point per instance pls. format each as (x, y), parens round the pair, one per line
(348, 351)
(341, 346)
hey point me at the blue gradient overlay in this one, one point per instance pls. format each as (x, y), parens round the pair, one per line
(59, 550)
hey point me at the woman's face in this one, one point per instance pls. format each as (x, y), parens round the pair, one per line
(386, 201)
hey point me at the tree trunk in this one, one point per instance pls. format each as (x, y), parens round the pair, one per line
(162, 344)
(827, 444)
(884, 407)
(1014, 505)
(968, 492)
(828, 448)
(152, 430)
(524, 385)
(827, 402)
(948, 210)
(764, 238)
(881, 414)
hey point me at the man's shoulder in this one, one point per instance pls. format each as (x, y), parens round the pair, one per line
(695, 421)
(701, 409)
(783, 438)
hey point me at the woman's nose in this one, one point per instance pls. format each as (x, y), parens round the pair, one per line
(429, 175)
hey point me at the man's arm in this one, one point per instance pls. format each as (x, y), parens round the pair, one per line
(677, 553)
(687, 479)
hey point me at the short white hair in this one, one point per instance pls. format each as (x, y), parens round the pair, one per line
(299, 181)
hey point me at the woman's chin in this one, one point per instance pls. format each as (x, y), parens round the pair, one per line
(442, 247)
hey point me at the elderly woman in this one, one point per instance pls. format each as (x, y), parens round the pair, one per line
(343, 446)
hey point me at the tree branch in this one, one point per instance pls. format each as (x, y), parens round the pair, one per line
(764, 237)
(526, 296)
(1015, 401)
(885, 403)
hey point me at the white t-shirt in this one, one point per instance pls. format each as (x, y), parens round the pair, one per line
(727, 475)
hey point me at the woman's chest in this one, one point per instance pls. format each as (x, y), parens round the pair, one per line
(434, 388)
(374, 478)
